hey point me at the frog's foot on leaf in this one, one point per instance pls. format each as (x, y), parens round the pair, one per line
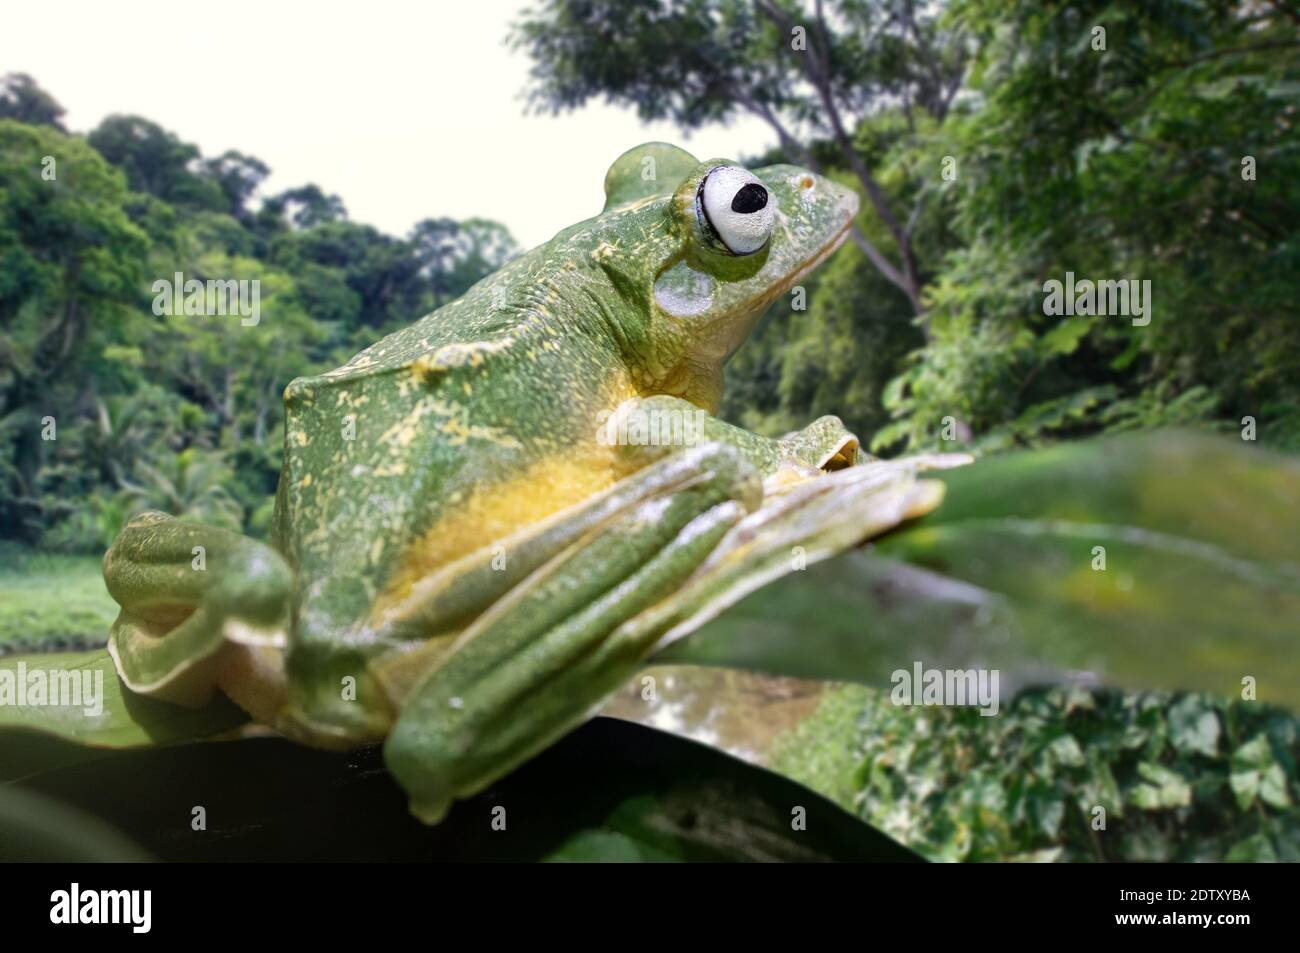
(201, 607)
(540, 659)
(825, 444)
(648, 428)
(800, 523)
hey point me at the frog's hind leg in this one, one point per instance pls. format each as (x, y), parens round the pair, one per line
(198, 604)
(544, 656)
(540, 658)
(440, 606)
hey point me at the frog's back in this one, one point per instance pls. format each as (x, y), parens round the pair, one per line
(436, 439)
(491, 309)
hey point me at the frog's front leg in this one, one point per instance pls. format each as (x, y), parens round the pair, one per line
(825, 444)
(200, 606)
(535, 664)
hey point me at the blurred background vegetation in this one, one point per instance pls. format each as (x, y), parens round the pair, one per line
(1184, 777)
(180, 413)
(1163, 148)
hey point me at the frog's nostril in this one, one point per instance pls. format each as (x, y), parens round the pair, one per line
(749, 198)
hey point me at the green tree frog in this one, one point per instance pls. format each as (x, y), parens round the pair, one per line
(488, 520)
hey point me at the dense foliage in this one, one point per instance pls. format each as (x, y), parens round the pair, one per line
(1169, 156)
(107, 407)
(1185, 777)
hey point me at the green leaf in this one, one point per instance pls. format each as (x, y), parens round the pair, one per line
(1256, 773)
(1105, 789)
(107, 716)
(1273, 789)
(612, 790)
(1046, 809)
(37, 829)
(1200, 589)
(1194, 726)
(1064, 750)
(1065, 337)
(1255, 849)
(1163, 788)
(856, 617)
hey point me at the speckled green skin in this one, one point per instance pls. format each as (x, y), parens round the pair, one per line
(538, 343)
(404, 466)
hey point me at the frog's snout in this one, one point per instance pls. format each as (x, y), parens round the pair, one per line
(841, 202)
(809, 201)
(847, 199)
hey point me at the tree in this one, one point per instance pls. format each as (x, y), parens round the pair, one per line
(1137, 154)
(484, 247)
(80, 343)
(70, 276)
(239, 177)
(454, 255)
(304, 207)
(190, 484)
(806, 73)
(376, 273)
(158, 162)
(23, 100)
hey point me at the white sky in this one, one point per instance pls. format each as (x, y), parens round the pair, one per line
(406, 110)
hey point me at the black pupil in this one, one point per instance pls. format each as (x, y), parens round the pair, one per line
(750, 198)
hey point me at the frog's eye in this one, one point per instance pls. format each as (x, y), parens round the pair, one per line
(734, 209)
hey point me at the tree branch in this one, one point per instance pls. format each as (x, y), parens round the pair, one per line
(817, 70)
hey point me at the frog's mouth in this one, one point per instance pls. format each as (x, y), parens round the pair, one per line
(826, 251)
(806, 268)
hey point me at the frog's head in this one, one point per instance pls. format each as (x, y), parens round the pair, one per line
(700, 249)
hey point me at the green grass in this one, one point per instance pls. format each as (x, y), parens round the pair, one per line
(51, 601)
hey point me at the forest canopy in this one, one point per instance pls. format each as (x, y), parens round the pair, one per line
(107, 407)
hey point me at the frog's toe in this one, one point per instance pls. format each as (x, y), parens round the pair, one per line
(825, 444)
(187, 591)
(334, 700)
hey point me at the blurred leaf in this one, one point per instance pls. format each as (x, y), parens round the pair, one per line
(1105, 790)
(1163, 788)
(35, 828)
(1253, 850)
(612, 790)
(1193, 726)
(1201, 584)
(1046, 808)
(1256, 773)
(38, 829)
(1065, 337)
(120, 719)
(1065, 751)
